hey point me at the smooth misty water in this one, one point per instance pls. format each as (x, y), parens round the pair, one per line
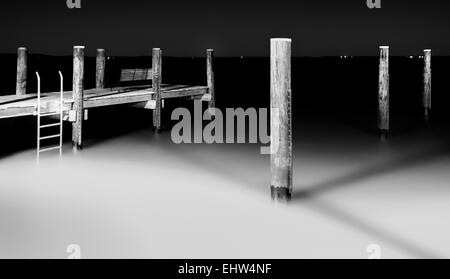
(139, 196)
(133, 194)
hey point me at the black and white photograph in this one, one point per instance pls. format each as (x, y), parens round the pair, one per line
(189, 130)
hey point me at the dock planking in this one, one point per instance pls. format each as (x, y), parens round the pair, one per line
(146, 96)
(26, 105)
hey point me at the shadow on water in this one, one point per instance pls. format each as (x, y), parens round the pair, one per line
(329, 210)
(104, 124)
(19, 134)
(384, 167)
(110, 123)
(402, 152)
(251, 177)
(225, 161)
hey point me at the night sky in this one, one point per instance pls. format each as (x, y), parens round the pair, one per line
(232, 28)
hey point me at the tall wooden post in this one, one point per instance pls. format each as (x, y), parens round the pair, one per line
(100, 72)
(156, 86)
(427, 83)
(210, 77)
(21, 84)
(78, 94)
(281, 121)
(383, 93)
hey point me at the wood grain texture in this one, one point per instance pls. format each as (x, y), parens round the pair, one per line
(136, 74)
(185, 92)
(100, 69)
(21, 83)
(210, 78)
(15, 106)
(78, 79)
(383, 91)
(156, 86)
(427, 82)
(281, 122)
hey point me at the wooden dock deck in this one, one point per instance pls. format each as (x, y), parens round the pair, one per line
(75, 103)
(26, 105)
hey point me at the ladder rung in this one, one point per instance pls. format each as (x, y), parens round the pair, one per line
(50, 137)
(49, 149)
(50, 125)
(49, 114)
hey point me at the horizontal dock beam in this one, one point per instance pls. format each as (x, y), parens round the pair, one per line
(17, 106)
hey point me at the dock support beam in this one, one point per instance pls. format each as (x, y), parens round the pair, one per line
(78, 94)
(100, 72)
(156, 86)
(427, 83)
(281, 163)
(210, 77)
(21, 84)
(383, 93)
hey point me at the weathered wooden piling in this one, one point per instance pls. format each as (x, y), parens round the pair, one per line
(281, 122)
(427, 83)
(100, 72)
(156, 86)
(78, 95)
(21, 84)
(210, 77)
(383, 93)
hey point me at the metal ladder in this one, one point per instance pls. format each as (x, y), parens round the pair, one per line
(46, 126)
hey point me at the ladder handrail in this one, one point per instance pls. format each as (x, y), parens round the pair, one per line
(61, 78)
(38, 115)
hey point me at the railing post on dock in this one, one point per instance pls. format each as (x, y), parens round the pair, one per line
(281, 123)
(427, 83)
(210, 77)
(78, 76)
(21, 84)
(383, 93)
(156, 86)
(100, 73)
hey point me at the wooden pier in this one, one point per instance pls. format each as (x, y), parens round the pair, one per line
(427, 83)
(281, 159)
(383, 93)
(78, 100)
